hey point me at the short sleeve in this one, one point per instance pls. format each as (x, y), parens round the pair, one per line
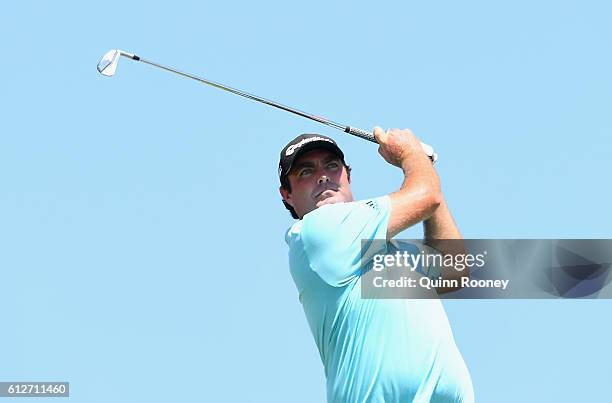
(332, 236)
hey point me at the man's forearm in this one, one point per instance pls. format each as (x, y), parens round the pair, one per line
(441, 225)
(442, 234)
(418, 198)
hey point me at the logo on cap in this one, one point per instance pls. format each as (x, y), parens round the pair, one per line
(291, 149)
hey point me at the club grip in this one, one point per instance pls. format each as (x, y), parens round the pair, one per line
(433, 156)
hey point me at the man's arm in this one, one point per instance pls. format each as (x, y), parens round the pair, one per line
(442, 234)
(441, 225)
(419, 196)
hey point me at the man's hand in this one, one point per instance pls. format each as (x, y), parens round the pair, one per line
(420, 194)
(397, 146)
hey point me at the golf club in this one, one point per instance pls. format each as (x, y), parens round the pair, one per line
(108, 66)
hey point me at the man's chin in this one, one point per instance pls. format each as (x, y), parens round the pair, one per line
(328, 200)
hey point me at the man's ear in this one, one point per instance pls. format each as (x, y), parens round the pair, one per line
(286, 195)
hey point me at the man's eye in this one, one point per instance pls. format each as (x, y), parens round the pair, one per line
(332, 165)
(304, 171)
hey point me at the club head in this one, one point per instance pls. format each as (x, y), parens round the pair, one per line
(108, 64)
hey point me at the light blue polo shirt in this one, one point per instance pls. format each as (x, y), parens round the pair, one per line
(373, 350)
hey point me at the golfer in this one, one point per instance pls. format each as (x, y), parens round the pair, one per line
(373, 350)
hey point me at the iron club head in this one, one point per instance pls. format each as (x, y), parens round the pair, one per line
(108, 64)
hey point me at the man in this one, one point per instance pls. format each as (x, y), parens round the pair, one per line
(373, 350)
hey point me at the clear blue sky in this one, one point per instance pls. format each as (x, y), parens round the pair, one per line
(142, 254)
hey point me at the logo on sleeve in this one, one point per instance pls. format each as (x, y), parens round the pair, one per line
(372, 204)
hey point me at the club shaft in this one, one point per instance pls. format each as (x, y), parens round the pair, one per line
(247, 95)
(345, 128)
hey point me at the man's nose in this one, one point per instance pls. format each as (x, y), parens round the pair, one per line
(323, 179)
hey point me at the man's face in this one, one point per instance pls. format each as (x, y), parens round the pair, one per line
(317, 177)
